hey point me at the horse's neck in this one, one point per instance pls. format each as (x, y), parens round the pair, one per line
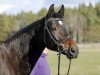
(35, 50)
(20, 46)
(20, 41)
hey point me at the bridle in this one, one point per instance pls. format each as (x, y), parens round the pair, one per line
(54, 40)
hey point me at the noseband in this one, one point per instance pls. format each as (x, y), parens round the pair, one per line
(54, 40)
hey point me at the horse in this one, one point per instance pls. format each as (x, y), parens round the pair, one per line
(20, 52)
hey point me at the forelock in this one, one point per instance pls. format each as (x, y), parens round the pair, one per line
(57, 15)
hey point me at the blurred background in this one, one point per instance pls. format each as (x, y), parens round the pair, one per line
(82, 18)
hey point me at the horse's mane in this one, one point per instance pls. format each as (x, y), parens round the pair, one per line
(27, 29)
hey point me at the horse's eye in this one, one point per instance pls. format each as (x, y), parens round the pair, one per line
(69, 37)
(60, 22)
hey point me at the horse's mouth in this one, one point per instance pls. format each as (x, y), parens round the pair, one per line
(72, 53)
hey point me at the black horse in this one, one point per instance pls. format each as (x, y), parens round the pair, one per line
(19, 53)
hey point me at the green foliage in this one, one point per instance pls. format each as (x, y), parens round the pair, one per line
(24, 18)
(83, 22)
(97, 8)
(41, 13)
(6, 26)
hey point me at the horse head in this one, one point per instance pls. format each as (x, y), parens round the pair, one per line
(58, 33)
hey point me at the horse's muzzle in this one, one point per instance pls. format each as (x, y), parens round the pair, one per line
(72, 52)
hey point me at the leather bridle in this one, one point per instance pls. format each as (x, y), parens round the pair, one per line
(54, 40)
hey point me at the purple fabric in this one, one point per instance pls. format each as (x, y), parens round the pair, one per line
(41, 67)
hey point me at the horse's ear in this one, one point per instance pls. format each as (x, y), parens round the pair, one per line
(61, 11)
(50, 11)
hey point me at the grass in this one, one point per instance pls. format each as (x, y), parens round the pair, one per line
(88, 63)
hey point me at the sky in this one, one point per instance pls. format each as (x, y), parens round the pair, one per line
(16, 6)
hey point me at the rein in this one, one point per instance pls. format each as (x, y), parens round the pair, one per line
(59, 54)
(59, 58)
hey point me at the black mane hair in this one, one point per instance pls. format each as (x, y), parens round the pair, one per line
(19, 44)
(30, 29)
(20, 52)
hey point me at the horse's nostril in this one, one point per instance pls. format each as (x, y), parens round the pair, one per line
(72, 52)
